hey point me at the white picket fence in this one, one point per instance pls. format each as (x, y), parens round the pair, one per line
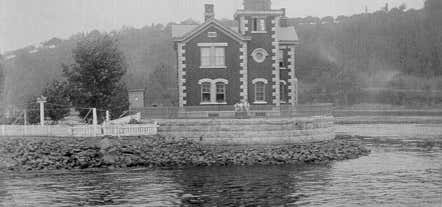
(79, 131)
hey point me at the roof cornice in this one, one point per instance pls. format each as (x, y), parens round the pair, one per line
(285, 42)
(267, 12)
(206, 24)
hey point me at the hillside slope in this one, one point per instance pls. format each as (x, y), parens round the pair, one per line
(29, 70)
(338, 60)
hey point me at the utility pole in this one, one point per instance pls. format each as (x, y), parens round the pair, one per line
(42, 100)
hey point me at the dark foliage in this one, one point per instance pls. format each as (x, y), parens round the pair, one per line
(2, 83)
(95, 80)
(381, 50)
(161, 86)
(337, 57)
(57, 106)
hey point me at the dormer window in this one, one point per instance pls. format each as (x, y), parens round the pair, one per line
(259, 25)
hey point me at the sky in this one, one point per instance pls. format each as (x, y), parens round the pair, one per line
(29, 22)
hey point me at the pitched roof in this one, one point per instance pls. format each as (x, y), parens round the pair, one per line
(179, 30)
(184, 33)
(287, 34)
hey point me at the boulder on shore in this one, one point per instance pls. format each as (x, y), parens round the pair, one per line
(19, 154)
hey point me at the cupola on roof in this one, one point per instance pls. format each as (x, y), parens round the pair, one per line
(257, 5)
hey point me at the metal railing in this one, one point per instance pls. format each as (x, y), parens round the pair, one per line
(228, 111)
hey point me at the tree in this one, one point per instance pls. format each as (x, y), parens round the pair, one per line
(58, 100)
(189, 22)
(2, 83)
(433, 9)
(347, 88)
(161, 87)
(328, 19)
(57, 105)
(95, 79)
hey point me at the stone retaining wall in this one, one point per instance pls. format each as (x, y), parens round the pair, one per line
(250, 131)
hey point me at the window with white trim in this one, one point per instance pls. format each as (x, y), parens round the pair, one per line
(205, 92)
(282, 64)
(219, 56)
(213, 56)
(259, 25)
(213, 91)
(283, 91)
(205, 56)
(220, 92)
(260, 92)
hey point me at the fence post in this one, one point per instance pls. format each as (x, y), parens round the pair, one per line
(25, 117)
(155, 129)
(94, 116)
(107, 116)
(42, 100)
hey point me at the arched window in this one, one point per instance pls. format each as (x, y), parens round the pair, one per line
(220, 92)
(260, 94)
(283, 91)
(205, 92)
(260, 90)
(213, 91)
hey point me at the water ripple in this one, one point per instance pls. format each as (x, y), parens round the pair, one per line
(397, 173)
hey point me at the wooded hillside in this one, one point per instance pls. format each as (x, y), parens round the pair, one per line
(389, 56)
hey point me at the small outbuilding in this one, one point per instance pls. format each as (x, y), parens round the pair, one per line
(136, 98)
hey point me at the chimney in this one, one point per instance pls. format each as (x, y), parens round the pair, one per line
(284, 21)
(209, 12)
(257, 5)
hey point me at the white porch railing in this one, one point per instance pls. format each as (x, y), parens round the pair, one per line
(130, 130)
(78, 131)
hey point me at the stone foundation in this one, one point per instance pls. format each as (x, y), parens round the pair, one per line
(250, 131)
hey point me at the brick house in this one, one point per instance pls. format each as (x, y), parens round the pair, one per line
(254, 62)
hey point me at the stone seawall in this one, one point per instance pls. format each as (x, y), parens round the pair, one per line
(251, 131)
(29, 154)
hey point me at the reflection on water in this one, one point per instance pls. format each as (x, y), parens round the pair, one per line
(397, 173)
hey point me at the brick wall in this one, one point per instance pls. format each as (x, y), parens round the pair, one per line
(194, 73)
(264, 69)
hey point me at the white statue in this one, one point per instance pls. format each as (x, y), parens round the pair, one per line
(243, 106)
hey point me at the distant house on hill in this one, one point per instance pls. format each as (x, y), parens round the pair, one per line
(220, 65)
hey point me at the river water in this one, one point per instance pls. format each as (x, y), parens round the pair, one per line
(400, 171)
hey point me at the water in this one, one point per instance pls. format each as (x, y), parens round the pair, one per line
(399, 172)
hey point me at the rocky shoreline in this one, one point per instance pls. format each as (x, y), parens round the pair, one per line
(41, 154)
